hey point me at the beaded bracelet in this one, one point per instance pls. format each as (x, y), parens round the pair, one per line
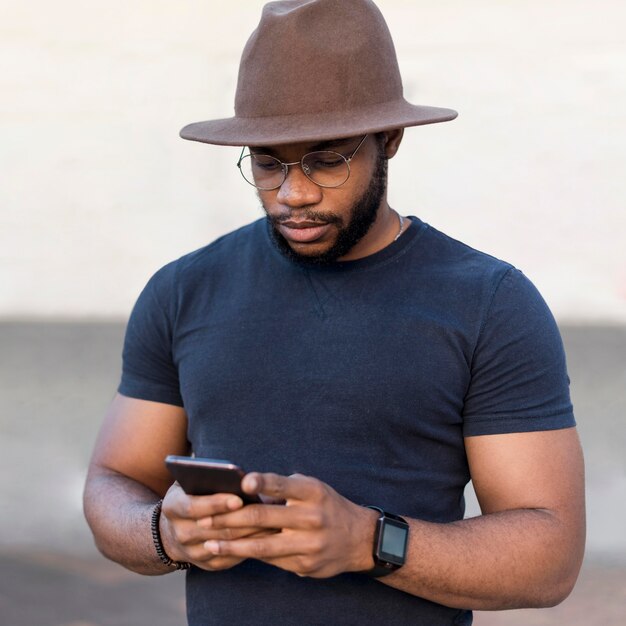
(158, 544)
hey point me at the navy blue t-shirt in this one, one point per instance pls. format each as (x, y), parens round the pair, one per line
(366, 374)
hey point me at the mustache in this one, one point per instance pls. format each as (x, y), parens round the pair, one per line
(306, 215)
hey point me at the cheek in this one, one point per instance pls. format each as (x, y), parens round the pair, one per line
(267, 199)
(339, 204)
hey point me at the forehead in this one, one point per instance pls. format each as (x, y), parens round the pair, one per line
(287, 150)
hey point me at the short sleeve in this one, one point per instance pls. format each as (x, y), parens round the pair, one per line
(519, 379)
(148, 369)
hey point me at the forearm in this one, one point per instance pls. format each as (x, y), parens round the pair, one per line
(511, 559)
(119, 512)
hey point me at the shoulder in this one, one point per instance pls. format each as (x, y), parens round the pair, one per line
(456, 274)
(506, 289)
(224, 250)
(239, 246)
(457, 258)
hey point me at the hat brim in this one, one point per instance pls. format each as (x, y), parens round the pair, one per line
(273, 131)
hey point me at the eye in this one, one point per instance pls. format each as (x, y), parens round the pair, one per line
(266, 163)
(324, 160)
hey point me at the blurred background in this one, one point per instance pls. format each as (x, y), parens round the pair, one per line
(97, 191)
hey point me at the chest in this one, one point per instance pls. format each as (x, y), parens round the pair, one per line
(313, 383)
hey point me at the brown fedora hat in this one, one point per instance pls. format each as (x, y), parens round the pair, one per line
(315, 70)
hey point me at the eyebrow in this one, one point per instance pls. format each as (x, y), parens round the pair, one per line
(322, 145)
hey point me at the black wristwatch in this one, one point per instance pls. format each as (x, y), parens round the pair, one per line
(390, 543)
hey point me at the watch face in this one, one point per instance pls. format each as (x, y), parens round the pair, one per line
(392, 541)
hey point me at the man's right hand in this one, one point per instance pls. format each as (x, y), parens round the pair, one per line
(125, 480)
(183, 537)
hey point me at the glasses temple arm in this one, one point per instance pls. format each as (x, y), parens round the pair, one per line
(356, 149)
(241, 157)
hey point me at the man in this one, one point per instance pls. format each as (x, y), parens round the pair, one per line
(350, 356)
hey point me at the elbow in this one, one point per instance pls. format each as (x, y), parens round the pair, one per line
(567, 561)
(562, 589)
(554, 596)
(557, 590)
(556, 577)
(96, 533)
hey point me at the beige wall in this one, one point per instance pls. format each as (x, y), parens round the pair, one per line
(97, 191)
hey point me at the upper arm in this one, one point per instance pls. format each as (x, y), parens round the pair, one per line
(518, 370)
(135, 438)
(532, 470)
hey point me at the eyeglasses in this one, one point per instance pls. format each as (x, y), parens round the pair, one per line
(325, 168)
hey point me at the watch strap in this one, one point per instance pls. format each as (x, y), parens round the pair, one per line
(378, 571)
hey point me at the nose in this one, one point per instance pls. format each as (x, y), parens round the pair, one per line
(298, 190)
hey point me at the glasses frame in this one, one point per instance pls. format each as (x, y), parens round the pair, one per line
(285, 166)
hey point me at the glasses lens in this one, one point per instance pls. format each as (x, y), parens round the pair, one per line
(326, 168)
(262, 171)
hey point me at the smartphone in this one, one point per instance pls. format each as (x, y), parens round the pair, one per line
(203, 477)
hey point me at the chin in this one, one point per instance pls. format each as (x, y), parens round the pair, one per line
(310, 250)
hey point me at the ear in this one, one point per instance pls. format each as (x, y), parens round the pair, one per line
(393, 141)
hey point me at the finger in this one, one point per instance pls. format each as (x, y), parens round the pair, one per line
(183, 535)
(228, 533)
(219, 563)
(178, 504)
(271, 516)
(294, 487)
(263, 548)
(199, 556)
(269, 500)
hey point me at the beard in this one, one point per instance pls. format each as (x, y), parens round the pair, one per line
(361, 216)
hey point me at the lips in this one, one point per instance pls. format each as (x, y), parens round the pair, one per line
(303, 231)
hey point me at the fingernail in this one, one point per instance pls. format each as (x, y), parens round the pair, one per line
(212, 546)
(252, 482)
(234, 503)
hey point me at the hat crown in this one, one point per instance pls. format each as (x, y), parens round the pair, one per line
(316, 56)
